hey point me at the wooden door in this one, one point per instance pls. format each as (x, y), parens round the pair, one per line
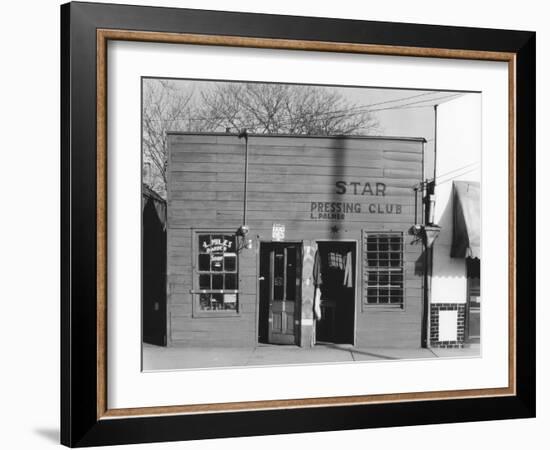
(282, 280)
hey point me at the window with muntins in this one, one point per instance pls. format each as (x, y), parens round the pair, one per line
(383, 269)
(216, 273)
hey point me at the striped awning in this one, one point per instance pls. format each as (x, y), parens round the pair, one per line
(466, 220)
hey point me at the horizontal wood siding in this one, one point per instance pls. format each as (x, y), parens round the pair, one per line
(292, 180)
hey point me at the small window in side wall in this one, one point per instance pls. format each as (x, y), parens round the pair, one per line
(383, 274)
(215, 273)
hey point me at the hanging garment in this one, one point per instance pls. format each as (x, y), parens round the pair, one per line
(317, 303)
(317, 281)
(317, 268)
(348, 275)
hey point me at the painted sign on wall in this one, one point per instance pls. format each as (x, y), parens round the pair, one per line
(338, 210)
(360, 188)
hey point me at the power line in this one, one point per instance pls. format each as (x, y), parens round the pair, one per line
(441, 178)
(413, 103)
(457, 170)
(339, 113)
(454, 177)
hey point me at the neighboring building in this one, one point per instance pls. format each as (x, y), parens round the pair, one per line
(153, 255)
(326, 215)
(455, 270)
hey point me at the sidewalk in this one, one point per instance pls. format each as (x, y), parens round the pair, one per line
(173, 358)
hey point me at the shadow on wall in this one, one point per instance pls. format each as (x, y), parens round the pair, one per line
(444, 265)
(339, 162)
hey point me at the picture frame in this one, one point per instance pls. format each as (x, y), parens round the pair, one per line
(86, 418)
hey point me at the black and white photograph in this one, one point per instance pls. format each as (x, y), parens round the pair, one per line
(288, 224)
(275, 225)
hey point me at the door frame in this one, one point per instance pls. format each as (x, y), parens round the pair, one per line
(467, 338)
(469, 280)
(356, 297)
(300, 243)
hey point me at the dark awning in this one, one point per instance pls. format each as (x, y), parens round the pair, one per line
(466, 220)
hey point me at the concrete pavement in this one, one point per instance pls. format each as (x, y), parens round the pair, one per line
(179, 357)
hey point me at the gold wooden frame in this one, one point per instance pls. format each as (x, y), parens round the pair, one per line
(104, 35)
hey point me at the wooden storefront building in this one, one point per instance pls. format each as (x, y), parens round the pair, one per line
(326, 254)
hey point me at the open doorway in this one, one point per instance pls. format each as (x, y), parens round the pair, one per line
(337, 286)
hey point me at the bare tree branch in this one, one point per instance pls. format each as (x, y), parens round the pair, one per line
(258, 107)
(165, 108)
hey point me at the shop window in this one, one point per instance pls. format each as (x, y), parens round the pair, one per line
(383, 269)
(216, 274)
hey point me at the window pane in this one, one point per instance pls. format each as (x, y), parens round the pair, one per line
(372, 259)
(397, 299)
(204, 262)
(278, 274)
(372, 295)
(217, 302)
(229, 243)
(217, 243)
(204, 281)
(395, 244)
(230, 301)
(230, 281)
(230, 263)
(204, 302)
(396, 280)
(217, 281)
(291, 273)
(216, 263)
(204, 242)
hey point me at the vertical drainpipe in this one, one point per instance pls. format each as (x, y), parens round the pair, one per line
(435, 141)
(244, 134)
(426, 301)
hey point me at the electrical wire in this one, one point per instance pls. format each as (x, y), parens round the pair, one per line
(339, 113)
(456, 170)
(454, 177)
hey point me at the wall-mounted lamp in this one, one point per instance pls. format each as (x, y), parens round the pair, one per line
(242, 232)
(428, 233)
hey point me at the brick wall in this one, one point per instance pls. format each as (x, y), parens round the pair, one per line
(435, 310)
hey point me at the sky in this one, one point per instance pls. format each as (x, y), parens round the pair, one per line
(400, 112)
